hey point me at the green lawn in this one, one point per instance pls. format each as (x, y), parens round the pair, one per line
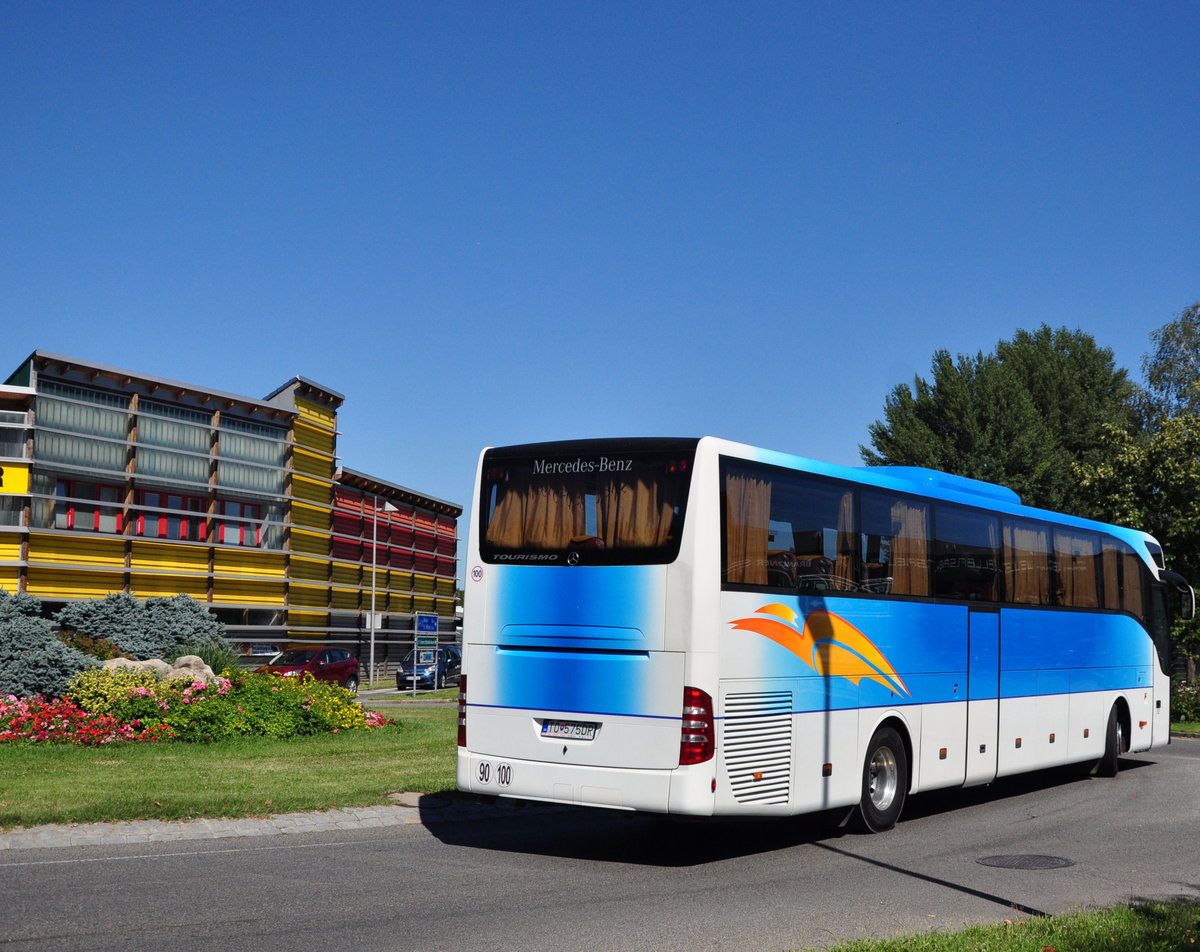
(1152, 927)
(48, 783)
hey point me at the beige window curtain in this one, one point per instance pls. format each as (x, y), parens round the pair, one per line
(635, 510)
(846, 565)
(1027, 564)
(747, 520)
(1131, 589)
(994, 549)
(1077, 569)
(910, 548)
(1111, 559)
(542, 516)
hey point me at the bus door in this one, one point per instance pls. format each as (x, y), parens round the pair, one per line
(983, 695)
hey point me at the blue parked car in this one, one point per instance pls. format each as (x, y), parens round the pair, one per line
(447, 670)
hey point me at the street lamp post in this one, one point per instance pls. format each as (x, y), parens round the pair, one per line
(374, 619)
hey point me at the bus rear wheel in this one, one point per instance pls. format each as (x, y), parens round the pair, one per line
(884, 781)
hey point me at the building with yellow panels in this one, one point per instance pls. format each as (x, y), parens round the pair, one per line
(115, 481)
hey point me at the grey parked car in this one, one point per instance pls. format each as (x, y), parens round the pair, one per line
(446, 670)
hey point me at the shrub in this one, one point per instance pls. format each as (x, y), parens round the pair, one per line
(245, 703)
(220, 657)
(106, 690)
(1185, 701)
(99, 648)
(117, 618)
(158, 629)
(32, 660)
(182, 621)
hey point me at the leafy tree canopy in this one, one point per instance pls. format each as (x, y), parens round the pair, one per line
(1021, 416)
(1151, 481)
(1173, 370)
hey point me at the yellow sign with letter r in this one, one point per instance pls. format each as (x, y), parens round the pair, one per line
(14, 478)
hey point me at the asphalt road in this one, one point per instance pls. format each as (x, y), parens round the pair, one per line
(559, 879)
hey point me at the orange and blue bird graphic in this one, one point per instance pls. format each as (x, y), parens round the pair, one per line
(826, 642)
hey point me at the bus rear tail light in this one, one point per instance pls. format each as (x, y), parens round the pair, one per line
(697, 738)
(462, 710)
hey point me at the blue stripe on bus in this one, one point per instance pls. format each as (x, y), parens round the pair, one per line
(1041, 653)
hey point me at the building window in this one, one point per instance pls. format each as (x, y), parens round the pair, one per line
(12, 434)
(172, 516)
(240, 523)
(101, 421)
(87, 507)
(11, 509)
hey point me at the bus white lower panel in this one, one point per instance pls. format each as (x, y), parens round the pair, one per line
(574, 739)
(1056, 729)
(577, 785)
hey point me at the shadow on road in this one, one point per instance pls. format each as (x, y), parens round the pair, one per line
(958, 798)
(617, 837)
(649, 840)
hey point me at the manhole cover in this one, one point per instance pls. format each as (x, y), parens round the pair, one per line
(1026, 861)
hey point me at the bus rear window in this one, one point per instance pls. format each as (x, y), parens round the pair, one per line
(584, 504)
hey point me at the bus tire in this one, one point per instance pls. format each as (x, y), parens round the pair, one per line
(884, 781)
(1114, 745)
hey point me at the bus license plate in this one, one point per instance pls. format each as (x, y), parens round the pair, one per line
(569, 730)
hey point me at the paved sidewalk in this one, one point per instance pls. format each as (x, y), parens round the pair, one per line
(407, 808)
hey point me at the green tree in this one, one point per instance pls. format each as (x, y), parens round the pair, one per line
(1173, 370)
(1152, 481)
(1020, 417)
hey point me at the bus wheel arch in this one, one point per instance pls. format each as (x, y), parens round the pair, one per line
(1116, 739)
(886, 777)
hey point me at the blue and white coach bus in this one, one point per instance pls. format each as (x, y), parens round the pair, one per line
(703, 628)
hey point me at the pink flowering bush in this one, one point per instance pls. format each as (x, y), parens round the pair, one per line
(106, 706)
(62, 721)
(1185, 701)
(240, 703)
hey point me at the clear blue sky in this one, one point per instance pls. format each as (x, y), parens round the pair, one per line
(497, 222)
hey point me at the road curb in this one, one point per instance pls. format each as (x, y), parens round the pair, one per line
(406, 808)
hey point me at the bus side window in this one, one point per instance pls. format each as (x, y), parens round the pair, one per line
(966, 554)
(788, 531)
(895, 544)
(1160, 625)
(1028, 563)
(1078, 562)
(821, 516)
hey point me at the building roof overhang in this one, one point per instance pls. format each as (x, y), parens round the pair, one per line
(45, 361)
(391, 491)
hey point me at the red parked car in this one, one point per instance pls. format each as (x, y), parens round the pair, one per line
(324, 664)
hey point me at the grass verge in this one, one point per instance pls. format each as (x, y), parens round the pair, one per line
(1149, 927)
(248, 776)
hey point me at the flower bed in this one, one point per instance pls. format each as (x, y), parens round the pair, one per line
(107, 706)
(1185, 702)
(62, 721)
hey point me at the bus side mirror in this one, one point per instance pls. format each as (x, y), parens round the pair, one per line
(1187, 595)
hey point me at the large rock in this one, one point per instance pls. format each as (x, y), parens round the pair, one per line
(155, 666)
(192, 666)
(187, 666)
